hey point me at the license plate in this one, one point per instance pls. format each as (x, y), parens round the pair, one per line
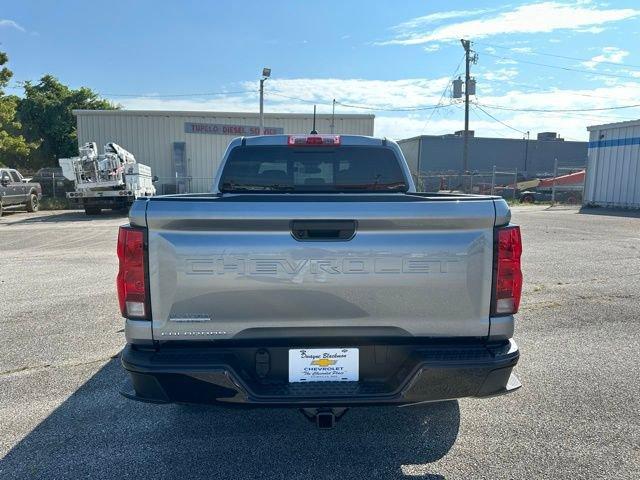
(323, 365)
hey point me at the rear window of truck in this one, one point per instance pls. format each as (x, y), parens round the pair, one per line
(312, 170)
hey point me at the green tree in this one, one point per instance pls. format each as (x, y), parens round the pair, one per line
(46, 116)
(12, 144)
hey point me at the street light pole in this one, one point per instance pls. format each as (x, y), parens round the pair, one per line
(262, 106)
(333, 115)
(266, 73)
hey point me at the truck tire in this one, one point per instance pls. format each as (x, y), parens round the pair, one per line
(33, 204)
(92, 210)
(527, 199)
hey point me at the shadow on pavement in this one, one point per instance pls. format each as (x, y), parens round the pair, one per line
(610, 212)
(60, 216)
(96, 433)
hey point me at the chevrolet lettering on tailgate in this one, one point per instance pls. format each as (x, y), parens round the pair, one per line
(258, 265)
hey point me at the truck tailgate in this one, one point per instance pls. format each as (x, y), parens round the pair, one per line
(221, 269)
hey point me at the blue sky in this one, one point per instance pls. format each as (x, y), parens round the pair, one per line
(382, 55)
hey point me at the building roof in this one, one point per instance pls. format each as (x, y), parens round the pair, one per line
(187, 113)
(628, 123)
(475, 137)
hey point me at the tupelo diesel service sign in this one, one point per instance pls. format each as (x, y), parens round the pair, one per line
(225, 129)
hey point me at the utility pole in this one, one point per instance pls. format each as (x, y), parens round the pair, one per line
(466, 44)
(553, 186)
(526, 154)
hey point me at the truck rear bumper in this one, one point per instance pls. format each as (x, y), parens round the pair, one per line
(426, 373)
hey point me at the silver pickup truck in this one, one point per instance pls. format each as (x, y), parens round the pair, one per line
(315, 276)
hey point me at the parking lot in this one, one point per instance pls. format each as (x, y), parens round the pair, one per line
(61, 415)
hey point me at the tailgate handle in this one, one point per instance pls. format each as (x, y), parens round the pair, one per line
(323, 230)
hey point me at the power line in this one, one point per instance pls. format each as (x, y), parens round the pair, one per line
(566, 57)
(569, 69)
(362, 107)
(447, 86)
(314, 102)
(566, 92)
(542, 114)
(583, 116)
(382, 109)
(562, 110)
(495, 132)
(498, 120)
(169, 95)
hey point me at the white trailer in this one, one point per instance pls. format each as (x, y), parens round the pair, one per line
(112, 180)
(613, 169)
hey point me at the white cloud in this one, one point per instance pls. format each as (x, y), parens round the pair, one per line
(505, 61)
(500, 74)
(11, 24)
(415, 92)
(434, 47)
(438, 17)
(230, 103)
(540, 17)
(609, 55)
(569, 124)
(522, 49)
(404, 93)
(591, 30)
(300, 94)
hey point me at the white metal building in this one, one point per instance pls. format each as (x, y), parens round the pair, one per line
(613, 167)
(184, 148)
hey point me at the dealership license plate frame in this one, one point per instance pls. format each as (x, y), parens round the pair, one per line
(339, 364)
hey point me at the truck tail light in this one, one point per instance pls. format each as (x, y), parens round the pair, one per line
(314, 140)
(131, 281)
(507, 277)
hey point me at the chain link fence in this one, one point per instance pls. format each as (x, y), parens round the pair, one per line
(482, 183)
(171, 185)
(564, 185)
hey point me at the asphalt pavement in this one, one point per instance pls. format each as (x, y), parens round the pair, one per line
(61, 415)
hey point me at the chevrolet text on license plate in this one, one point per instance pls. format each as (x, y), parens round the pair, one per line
(323, 365)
